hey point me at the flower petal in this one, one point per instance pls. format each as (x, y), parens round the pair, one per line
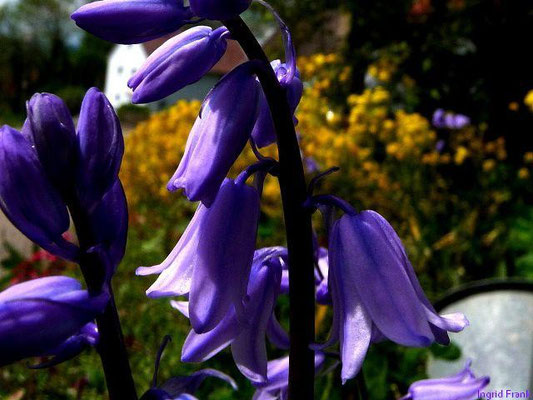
(131, 21)
(218, 136)
(180, 61)
(249, 348)
(101, 147)
(378, 275)
(201, 347)
(224, 255)
(177, 269)
(28, 199)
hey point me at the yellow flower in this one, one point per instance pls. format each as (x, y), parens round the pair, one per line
(523, 173)
(488, 165)
(528, 100)
(460, 155)
(513, 106)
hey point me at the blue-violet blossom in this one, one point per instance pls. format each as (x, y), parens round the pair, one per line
(246, 334)
(132, 21)
(277, 385)
(27, 197)
(180, 61)
(264, 133)
(88, 336)
(181, 387)
(375, 292)
(40, 163)
(462, 386)
(211, 262)
(101, 147)
(53, 134)
(447, 120)
(218, 135)
(38, 316)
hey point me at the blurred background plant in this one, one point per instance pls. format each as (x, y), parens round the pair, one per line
(460, 195)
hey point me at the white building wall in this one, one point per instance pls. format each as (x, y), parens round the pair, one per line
(123, 62)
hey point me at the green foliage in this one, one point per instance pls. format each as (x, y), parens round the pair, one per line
(521, 243)
(72, 96)
(42, 51)
(132, 114)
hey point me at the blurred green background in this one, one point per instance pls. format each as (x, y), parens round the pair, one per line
(374, 73)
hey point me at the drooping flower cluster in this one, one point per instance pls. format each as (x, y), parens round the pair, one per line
(48, 171)
(48, 168)
(230, 290)
(462, 386)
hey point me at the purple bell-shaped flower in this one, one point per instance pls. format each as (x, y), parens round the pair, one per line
(109, 223)
(277, 385)
(54, 137)
(88, 336)
(181, 387)
(245, 334)
(375, 292)
(101, 148)
(180, 61)
(38, 316)
(462, 386)
(132, 21)
(264, 133)
(212, 260)
(27, 197)
(218, 135)
(321, 277)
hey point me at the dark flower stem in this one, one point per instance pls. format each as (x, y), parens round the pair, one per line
(111, 345)
(297, 219)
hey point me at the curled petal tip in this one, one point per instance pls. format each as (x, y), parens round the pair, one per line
(144, 271)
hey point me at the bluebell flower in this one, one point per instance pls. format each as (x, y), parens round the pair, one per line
(180, 61)
(109, 224)
(181, 387)
(219, 9)
(52, 132)
(375, 292)
(28, 198)
(218, 135)
(321, 277)
(212, 260)
(88, 336)
(38, 316)
(264, 132)
(321, 272)
(311, 165)
(101, 147)
(246, 333)
(132, 21)
(277, 385)
(40, 165)
(462, 386)
(448, 120)
(184, 387)
(456, 121)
